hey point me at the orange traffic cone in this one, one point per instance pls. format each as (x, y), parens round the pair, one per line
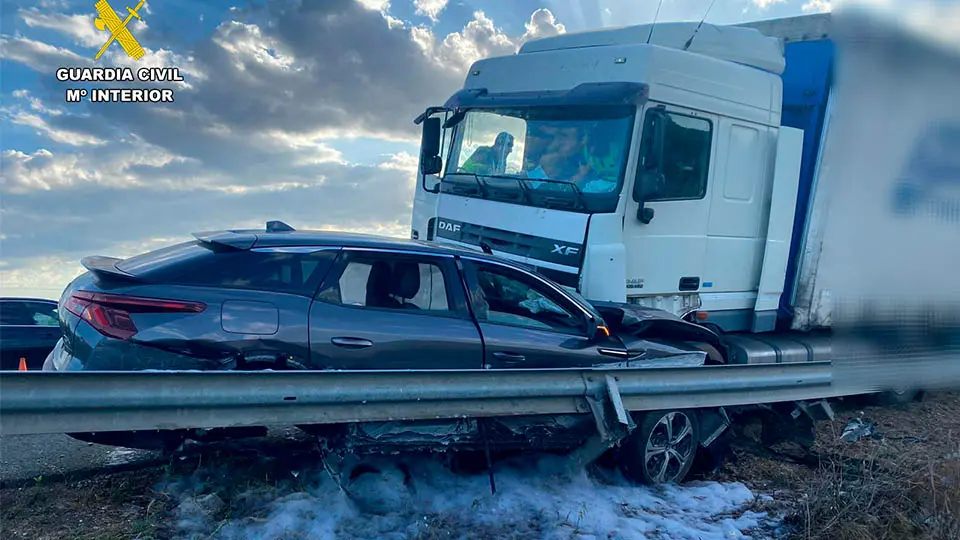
(23, 364)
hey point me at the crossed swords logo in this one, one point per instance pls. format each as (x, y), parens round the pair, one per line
(108, 20)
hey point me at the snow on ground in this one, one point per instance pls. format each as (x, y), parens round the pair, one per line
(535, 499)
(119, 456)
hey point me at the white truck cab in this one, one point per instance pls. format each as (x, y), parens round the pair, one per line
(684, 122)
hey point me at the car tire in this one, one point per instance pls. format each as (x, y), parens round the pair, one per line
(662, 449)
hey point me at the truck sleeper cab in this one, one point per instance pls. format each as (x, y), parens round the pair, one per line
(687, 203)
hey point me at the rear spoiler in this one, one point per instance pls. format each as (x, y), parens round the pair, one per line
(239, 240)
(106, 267)
(227, 239)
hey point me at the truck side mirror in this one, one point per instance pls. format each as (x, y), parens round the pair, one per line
(650, 184)
(430, 161)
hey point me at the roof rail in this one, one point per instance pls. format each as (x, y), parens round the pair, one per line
(278, 226)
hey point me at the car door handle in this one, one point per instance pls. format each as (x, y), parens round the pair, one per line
(508, 357)
(351, 343)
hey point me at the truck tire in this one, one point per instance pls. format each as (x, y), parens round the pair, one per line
(662, 449)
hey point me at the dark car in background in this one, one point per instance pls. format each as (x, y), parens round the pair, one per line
(29, 330)
(285, 299)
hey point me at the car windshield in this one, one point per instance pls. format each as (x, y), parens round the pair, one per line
(570, 158)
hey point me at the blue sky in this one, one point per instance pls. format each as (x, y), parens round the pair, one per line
(300, 112)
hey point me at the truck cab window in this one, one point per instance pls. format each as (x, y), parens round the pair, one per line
(570, 158)
(491, 144)
(685, 157)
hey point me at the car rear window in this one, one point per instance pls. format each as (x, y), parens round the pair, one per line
(193, 264)
(168, 258)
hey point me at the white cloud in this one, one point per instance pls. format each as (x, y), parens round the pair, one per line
(375, 5)
(542, 23)
(309, 148)
(45, 171)
(39, 277)
(39, 56)
(158, 58)
(430, 8)
(481, 38)
(401, 161)
(817, 6)
(404, 162)
(80, 27)
(36, 103)
(250, 136)
(764, 4)
(48, 276)
(66, 136)
(39, 171)
(246, 43)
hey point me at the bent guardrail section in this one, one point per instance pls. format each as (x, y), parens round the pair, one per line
(45, 402)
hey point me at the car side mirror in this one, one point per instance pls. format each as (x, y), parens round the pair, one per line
(596, 330)
(430, 161)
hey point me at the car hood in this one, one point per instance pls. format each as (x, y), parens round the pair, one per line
(632, 320)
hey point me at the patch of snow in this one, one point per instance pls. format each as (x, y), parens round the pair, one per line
(535, 499)
(119, 456)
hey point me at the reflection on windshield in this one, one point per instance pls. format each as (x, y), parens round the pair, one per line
(569, 150)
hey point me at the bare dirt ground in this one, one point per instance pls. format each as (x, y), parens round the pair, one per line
(902, 481)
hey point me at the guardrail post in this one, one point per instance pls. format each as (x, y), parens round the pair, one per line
(613, 424)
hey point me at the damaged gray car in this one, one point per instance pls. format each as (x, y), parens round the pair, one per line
(283, 299)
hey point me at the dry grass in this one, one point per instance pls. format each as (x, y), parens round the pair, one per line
(904, 483)
(114, 506)
(882, 497)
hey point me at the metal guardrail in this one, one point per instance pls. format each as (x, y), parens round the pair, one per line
(45, 402)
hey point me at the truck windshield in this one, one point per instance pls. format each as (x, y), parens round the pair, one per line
(571, 158)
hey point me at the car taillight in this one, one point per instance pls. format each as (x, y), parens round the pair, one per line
(109, 314)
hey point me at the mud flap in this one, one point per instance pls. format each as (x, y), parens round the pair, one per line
(613, 421)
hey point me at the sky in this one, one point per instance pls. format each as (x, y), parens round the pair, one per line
(297, 111)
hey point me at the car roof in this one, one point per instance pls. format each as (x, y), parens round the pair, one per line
(259, 238)
(27, 299)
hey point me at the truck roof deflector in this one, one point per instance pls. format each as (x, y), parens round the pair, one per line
(604, 93)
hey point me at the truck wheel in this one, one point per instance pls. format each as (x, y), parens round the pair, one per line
(662, 449)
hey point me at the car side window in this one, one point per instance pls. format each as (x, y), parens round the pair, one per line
(386, 281)
(28, 314)
(43, 314)
(511, 298)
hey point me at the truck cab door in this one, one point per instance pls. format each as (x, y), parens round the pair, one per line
(667, 216)
(427, 190)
